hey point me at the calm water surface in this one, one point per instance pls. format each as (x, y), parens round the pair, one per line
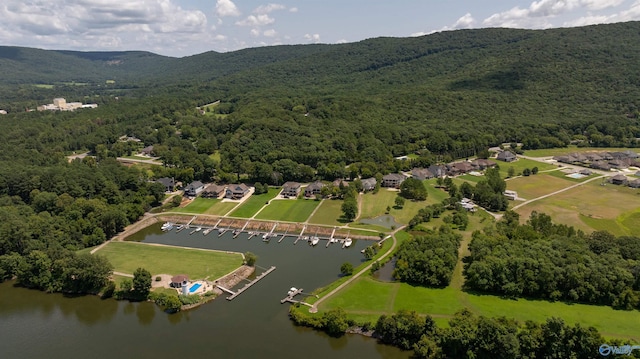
(255, 324)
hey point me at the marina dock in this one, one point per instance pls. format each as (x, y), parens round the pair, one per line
(291, 295)
(285, 234)
(248, 285)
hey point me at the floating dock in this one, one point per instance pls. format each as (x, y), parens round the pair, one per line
(291, 295)
(248, 285)
(285, 234)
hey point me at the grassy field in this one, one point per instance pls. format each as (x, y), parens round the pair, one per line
(221, 208)
(374, 205)
(328, 213)
(521, 164)
(126, 257)
(592, 207)
(292, 210)
(537, 185)
(252, 205)
(571, 149)
(366, 299)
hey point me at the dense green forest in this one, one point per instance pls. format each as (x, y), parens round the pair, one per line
(541, 259)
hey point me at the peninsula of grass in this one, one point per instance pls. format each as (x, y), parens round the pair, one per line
(291, 210)
(253, 204)
(328, 213)
(126, 257)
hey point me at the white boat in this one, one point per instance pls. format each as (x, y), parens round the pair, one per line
(206, 231)
(265, 236)
(167, 226)
(220, 230)
(314, 241)
(198, 229)
(347, 243)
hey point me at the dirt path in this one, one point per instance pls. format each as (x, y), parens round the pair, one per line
(314, 308)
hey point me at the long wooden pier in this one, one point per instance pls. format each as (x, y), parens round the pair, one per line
(246, 286)
(300, 235)
(216, 226)
(192, 219)
(285, 234)
(242, 230)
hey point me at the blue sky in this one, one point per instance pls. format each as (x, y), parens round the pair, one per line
(186, 27)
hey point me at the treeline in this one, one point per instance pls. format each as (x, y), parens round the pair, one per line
(55, 269)
(540, 259)
(428, 259)
(472, 337)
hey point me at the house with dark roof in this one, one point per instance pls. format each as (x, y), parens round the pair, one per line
(236, 191)
(482, 164)
(313, 189)
(168, 183)
(392, 180)
(179, 281)
(619, 179)
(147, 150)
(194, 188)
(339, 182)
(458, 168)
(290, 189)
(212, 191)
(369, 184)
(421, 174)
(634, 184)
(601, 165)
(506, 156)
(438, 170)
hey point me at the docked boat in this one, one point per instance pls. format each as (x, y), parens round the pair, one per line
(206, 231)
(314, 240)
(180, 227)
(221, 230)
(347, 243)
(167, 226)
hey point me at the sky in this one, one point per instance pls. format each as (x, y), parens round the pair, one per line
(181, 28)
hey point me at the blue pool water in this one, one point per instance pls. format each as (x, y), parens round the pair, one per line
(194, 287)
(576, 175)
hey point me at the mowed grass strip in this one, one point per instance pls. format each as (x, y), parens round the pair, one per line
(291, 210)
(198, 205)
(252, 205)
(221, 208)
(573, 149)
(328, 213)
(126, 257)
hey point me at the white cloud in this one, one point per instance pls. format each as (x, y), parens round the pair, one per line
(312, 37)
(255, 32)
(342, 41)
(259, 20)
(465, 22)
(270, 33)
(293, 9)
(630, 14)
(265, 9)
(227, 8)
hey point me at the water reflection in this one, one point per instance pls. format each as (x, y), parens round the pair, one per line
(385, 220)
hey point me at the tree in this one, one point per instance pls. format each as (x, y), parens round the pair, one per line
(250, 259)
(413, 188)
(399, 202)
(526, 172)
(141, 283)
(335, 322)
(346, 269)
(349, 209)
(534, 170)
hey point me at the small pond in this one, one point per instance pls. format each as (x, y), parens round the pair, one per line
(386, 221)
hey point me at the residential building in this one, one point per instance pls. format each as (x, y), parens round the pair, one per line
(194, 188)
(421, 174)
(512, 195)
(438, 170)
(369, 184)
(313, 189)
(393, 180)
(506, 156)
(236, 191)
(290, 189)
(619, 179)
(212, 191)
(168, 183)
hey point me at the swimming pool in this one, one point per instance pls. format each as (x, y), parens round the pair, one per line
(195, 287)
(576, 175)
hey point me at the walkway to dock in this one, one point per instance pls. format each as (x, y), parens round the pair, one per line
(291, 295)
(246, 286)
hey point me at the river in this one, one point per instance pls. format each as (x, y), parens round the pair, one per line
(254, 325)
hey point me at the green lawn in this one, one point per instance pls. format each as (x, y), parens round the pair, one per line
(538, 185)
(291, 210)
(328, 213)
(221, 208)
(126, 257)
(366, 299)
(375, 204)
(198, 205)
(521, 164)
(252, 205)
